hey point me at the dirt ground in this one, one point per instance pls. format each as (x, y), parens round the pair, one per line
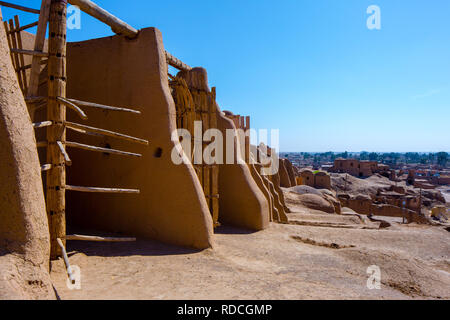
(315, 256)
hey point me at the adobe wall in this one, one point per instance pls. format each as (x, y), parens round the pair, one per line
(291, 172)
(241, 201)
(285, 181)
(171, 206)
(364, 205)
(24, 235)
(307, 177)
(322, 180)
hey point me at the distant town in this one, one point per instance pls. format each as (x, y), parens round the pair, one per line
(325, 160)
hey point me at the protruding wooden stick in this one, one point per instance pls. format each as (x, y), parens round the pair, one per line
(101, 106)
(64, 153)
(66, 260)
(15, 6)
(46, 167)
(42, 124)
(42, 144)
(73, 107)
(78, 237)
(30, 52)
(117, 25)
(100, 190)
(99, 149)
(82, 127)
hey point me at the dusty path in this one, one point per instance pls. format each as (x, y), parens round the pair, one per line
(317, 256)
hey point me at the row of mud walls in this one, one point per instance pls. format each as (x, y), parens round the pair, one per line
(172, 206)
(24, 235)
(241, 202)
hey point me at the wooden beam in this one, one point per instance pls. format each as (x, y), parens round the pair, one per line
(15, 6)
(30, 52)
(117, 25)
(176, 63)
(73, 106)
(28, 26)
(99, 149)
(16, 52)
(46, 167)
(100, 190)
(101, 106)
(42, 124)
(66, 260)
(82, 127)
(64, 153)
(78, 237)
(39, 43)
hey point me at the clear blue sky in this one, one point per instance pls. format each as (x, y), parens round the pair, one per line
(312, 68)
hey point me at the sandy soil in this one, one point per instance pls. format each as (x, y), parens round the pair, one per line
(315, 256)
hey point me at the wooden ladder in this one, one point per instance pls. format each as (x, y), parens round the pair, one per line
(53, 13)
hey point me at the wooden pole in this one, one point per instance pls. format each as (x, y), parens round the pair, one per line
(215, 167)
(15, 6)
(21, 59)
(66, 260)
(16, 52)
(101, 106)
(247, 139)
(99, 149)
(117, 25)
(176, 63)
(56, 112)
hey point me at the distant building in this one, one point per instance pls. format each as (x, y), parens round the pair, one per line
(317, 179)
(357, 168)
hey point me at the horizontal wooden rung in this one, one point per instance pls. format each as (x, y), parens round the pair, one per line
(35, 99)
(30, 52)
(100, 190)
(28, 26)
(46, 167)
(102, 106)
(78, 237)
(28, 66)
(99, 149)
(82, 127)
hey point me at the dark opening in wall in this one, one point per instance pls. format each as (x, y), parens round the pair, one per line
(158, 153)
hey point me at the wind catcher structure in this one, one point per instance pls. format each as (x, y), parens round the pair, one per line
(78, 97)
